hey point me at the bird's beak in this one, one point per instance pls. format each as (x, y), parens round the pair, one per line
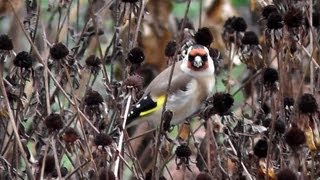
(197, 61)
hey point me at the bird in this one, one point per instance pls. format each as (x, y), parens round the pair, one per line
(192, 83)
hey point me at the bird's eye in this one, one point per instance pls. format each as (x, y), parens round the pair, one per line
(191, 58)
(204, 57)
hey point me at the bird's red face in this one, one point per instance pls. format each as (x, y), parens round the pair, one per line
(198, 59)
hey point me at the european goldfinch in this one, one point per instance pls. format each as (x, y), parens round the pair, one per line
(192, 83)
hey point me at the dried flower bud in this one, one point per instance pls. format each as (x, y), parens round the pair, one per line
(5, 43)
(285, 174)
(275, 21)
(54, 122)
(93, 98)
(170, 49)
(267, 10)
(295, 137)
(203, 37)
(183, 151)
(239, 24)
(136, 55)
(288, 102)
(293, 18)
(280, 126)
(222, 102)
(228, 24)
(59, 51)
(93, 61)
(23, 60)
(307, 104)
(270, 76)
(204, 176)
(102, 139)
(70, 135)
(250, 38)
(260, 149)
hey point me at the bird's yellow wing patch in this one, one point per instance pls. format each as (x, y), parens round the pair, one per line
(160, 102)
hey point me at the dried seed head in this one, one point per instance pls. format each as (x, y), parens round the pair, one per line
(275, 21)
(270, 76)
(307, 104)
(23, 60)
(59, 51)
(228, 24)
(136, 56)
(280, 126)
(106, 174)
(222, 102)
(5, 43)
(93, 98)
(260, 149)
(93, 61)
(286, 174)
(49, 164)
(266, 108)
(204, 176)
(102, 139)
(70, 135)
(148, 175)
(183, 151)
(203, 37)
(267, 10)
(54, 122)
(250, 38)
(63, 171)
(170, 49)
(295, 137)
(134, 81)
(239, 24)
(187, 24)
(293, 18)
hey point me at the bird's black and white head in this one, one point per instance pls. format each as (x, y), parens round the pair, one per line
(198, 62)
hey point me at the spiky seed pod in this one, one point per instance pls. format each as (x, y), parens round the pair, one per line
(270, 76)
(260, 149)
(102, 139)
(228, 24)
(183, 151)
(239, 24)
(136, 56)
(93, 61)
(204, 176)
(70, 135)
(54, 122)
(222, 102)
(134, 81)
(267, 10)
(203, 37)
(286, 174)
(59, 51)
(280, 126)
(293, 18)
(275, 21)
(250, 38)
(307, 104)
(93, 98)
(170, 49)
(5, 43)
(23, 60)
(295, 137)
